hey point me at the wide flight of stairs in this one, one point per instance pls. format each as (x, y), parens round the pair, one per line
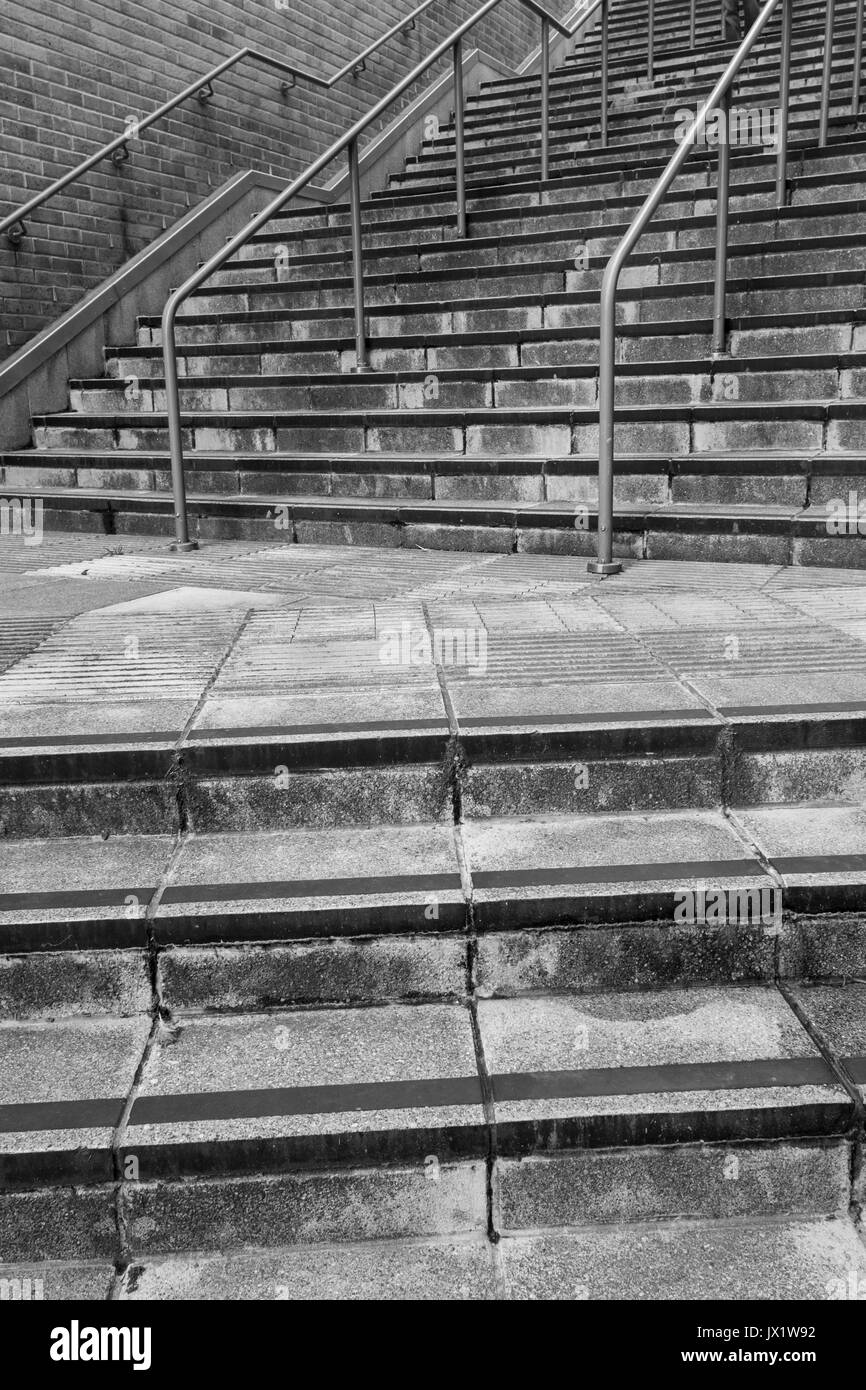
(478, 427)
(329, 978)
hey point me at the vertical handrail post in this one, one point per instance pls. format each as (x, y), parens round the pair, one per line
(651, 38)
(362, 361)
(827, 77)
(460, 154)
(692, 24)
(175, 430)
(721, 271)
(858, 59)
(784, 104)
(605, 6)
(545, 100)
(605, 563)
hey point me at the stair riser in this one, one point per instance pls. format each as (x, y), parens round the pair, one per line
(334, 1206)
(555, 439)
(563, 276)
(561, 351)
(217, 799)
(631, 488)
(508, 393)
(553, 243)
(385, 966)
(520, 317)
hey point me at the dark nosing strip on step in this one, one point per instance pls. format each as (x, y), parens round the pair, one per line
(667, 716)
(60, 1114)
(290, 730)
(816, 707)
(312, 888)
(677, 1076)
(678, 872)
(424, 1094)
(413, 884)
(856, 1067)
(123, 736)
(81, 897)
(820, 864)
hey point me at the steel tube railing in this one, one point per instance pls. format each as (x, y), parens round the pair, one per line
(605, 563)
(692, 24)
(459, 139)
(362, 363)
(827, 74)
(650, 40)
(723, 182)
(784, 104)
(545, 100)
(169, 315)
(858, 59)
(605, 60)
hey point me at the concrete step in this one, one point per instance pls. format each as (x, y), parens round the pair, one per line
(797, 480)
(756, 338)
(819, 377)
(826, 535)
(526, 215)
(841, 290)
(687, 428)
(332, 1125)
(513, 904)
(266, 287)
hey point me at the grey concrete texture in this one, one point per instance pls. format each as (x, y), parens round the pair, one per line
(426, 1270)
(669, 1028)
(429, 1198)
(311, 1049)
(808, 1260)
(649, 1183)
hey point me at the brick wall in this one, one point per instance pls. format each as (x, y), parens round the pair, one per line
(73, 71)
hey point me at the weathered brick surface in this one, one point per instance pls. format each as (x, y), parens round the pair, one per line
(73, 71)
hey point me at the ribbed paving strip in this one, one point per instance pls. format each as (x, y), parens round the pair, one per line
(21, 636)
(127, 657)
(783, 648)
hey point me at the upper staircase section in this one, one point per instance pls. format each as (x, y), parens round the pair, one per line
(478, 425)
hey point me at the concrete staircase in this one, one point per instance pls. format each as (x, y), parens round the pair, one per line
(478, 428)
(325, 977)
(331, 975)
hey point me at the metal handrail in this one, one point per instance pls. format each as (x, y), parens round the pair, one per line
(116, 149)
(349, 143)
(719, 98)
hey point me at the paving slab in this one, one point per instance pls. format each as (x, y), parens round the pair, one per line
(811, 1260)
(838, 1014)
(188, 598)
(723, 1063)
(645, 697)
(312, 883)
(819, 850)
(573, 869)
(405, 1270)
(62, 1091)
(262, 1090)
(736, 696)
(79, 891)
(57, 1282)
(113, 724)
